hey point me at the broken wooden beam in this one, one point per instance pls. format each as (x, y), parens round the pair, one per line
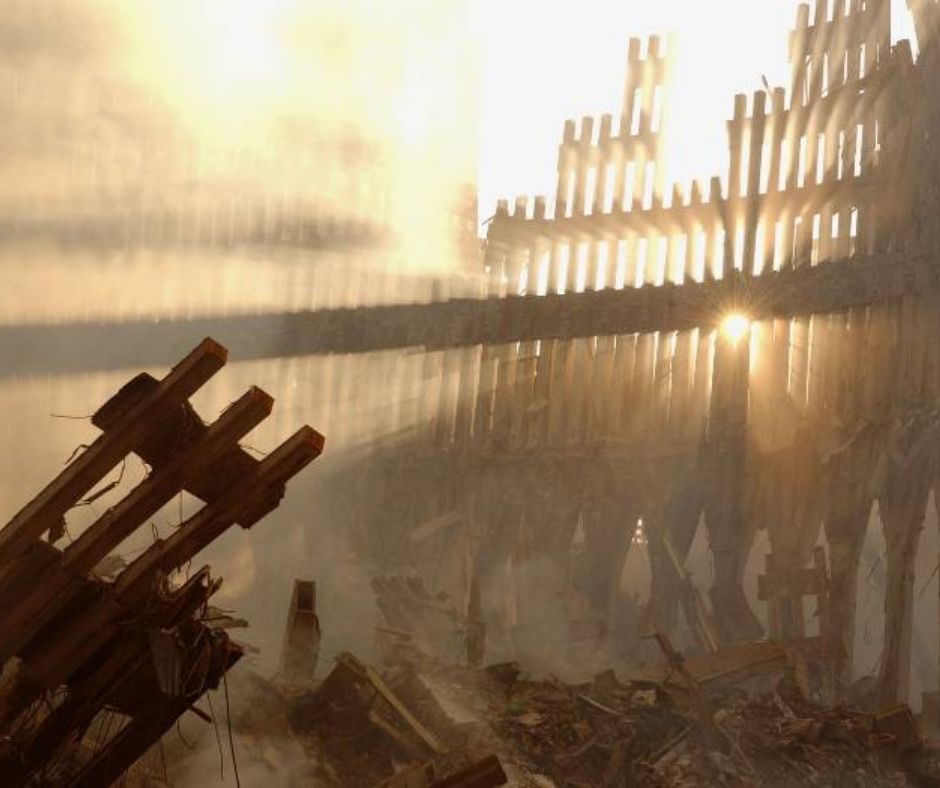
(419, 775)
(99, 641)
(46, 510)
(78, 638)
(486, 773)
(180, 429)
(301, 648)
(698, 699)
(366, 674)
(262, 486)
(122, 663)
(41, 602)
(115, 525)
(144, 729)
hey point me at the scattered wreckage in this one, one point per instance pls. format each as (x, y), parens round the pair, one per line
(738, 716)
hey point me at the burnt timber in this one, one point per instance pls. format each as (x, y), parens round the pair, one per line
(121, 656)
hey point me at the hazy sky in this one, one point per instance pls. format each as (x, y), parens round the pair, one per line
(301, 78)
(547, 61)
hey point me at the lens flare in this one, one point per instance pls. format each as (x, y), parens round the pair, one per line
(735, 327)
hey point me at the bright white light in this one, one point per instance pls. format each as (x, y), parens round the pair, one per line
(576, 66)
(242, 51)
(735, 327)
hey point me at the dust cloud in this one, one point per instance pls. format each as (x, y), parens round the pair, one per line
(164, 160)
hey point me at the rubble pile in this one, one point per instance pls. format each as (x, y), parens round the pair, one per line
(359, 727)
(734, 717)
(609, 733)
(772, 741)
(412, 724)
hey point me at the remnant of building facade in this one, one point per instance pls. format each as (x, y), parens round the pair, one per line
(603, 384)
(795, 416)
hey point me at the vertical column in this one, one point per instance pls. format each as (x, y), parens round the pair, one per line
(466, 393)
(778, 124)
(557, 391)
(723, 257)
(846, 523)
(675, 255)
(577, 375)
(622, 376)
(632, 83)
(538, 252)
(681, 385)
(447, 408)
(497, 250)
(584, 158)
(728, 529)
(641, 387)
(755, 164)
(903, 507)
(736, 127)
(602, 391)
(602, 158)
(507, 360)
(523, 393)
(817, 367)
(662, 383)
(537, 431)
(483, 412)
(617, 162)
(701, 384)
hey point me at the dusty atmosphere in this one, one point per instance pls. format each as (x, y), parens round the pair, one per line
(469, 393)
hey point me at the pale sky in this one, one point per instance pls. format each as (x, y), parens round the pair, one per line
(545, 61)
(314, 78)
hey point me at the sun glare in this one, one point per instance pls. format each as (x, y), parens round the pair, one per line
(241, 49)
(735, 327)
(223, 65)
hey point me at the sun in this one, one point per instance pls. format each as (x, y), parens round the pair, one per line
(736, 326)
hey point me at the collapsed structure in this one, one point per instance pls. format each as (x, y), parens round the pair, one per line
(606, 393)
(595, 399)
(734, 718)
(100, 659)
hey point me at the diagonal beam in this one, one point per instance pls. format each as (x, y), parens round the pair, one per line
(212, 520)
(42, 601)
(47, 509)
(54, 662)
(119, 522)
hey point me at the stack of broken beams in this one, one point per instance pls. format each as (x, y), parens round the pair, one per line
(732, 717)
(101, 657)
(424, 723)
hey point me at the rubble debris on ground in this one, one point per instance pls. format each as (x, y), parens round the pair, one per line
(429, 621)
(405, 725)
(732, 717)
(101, 657)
